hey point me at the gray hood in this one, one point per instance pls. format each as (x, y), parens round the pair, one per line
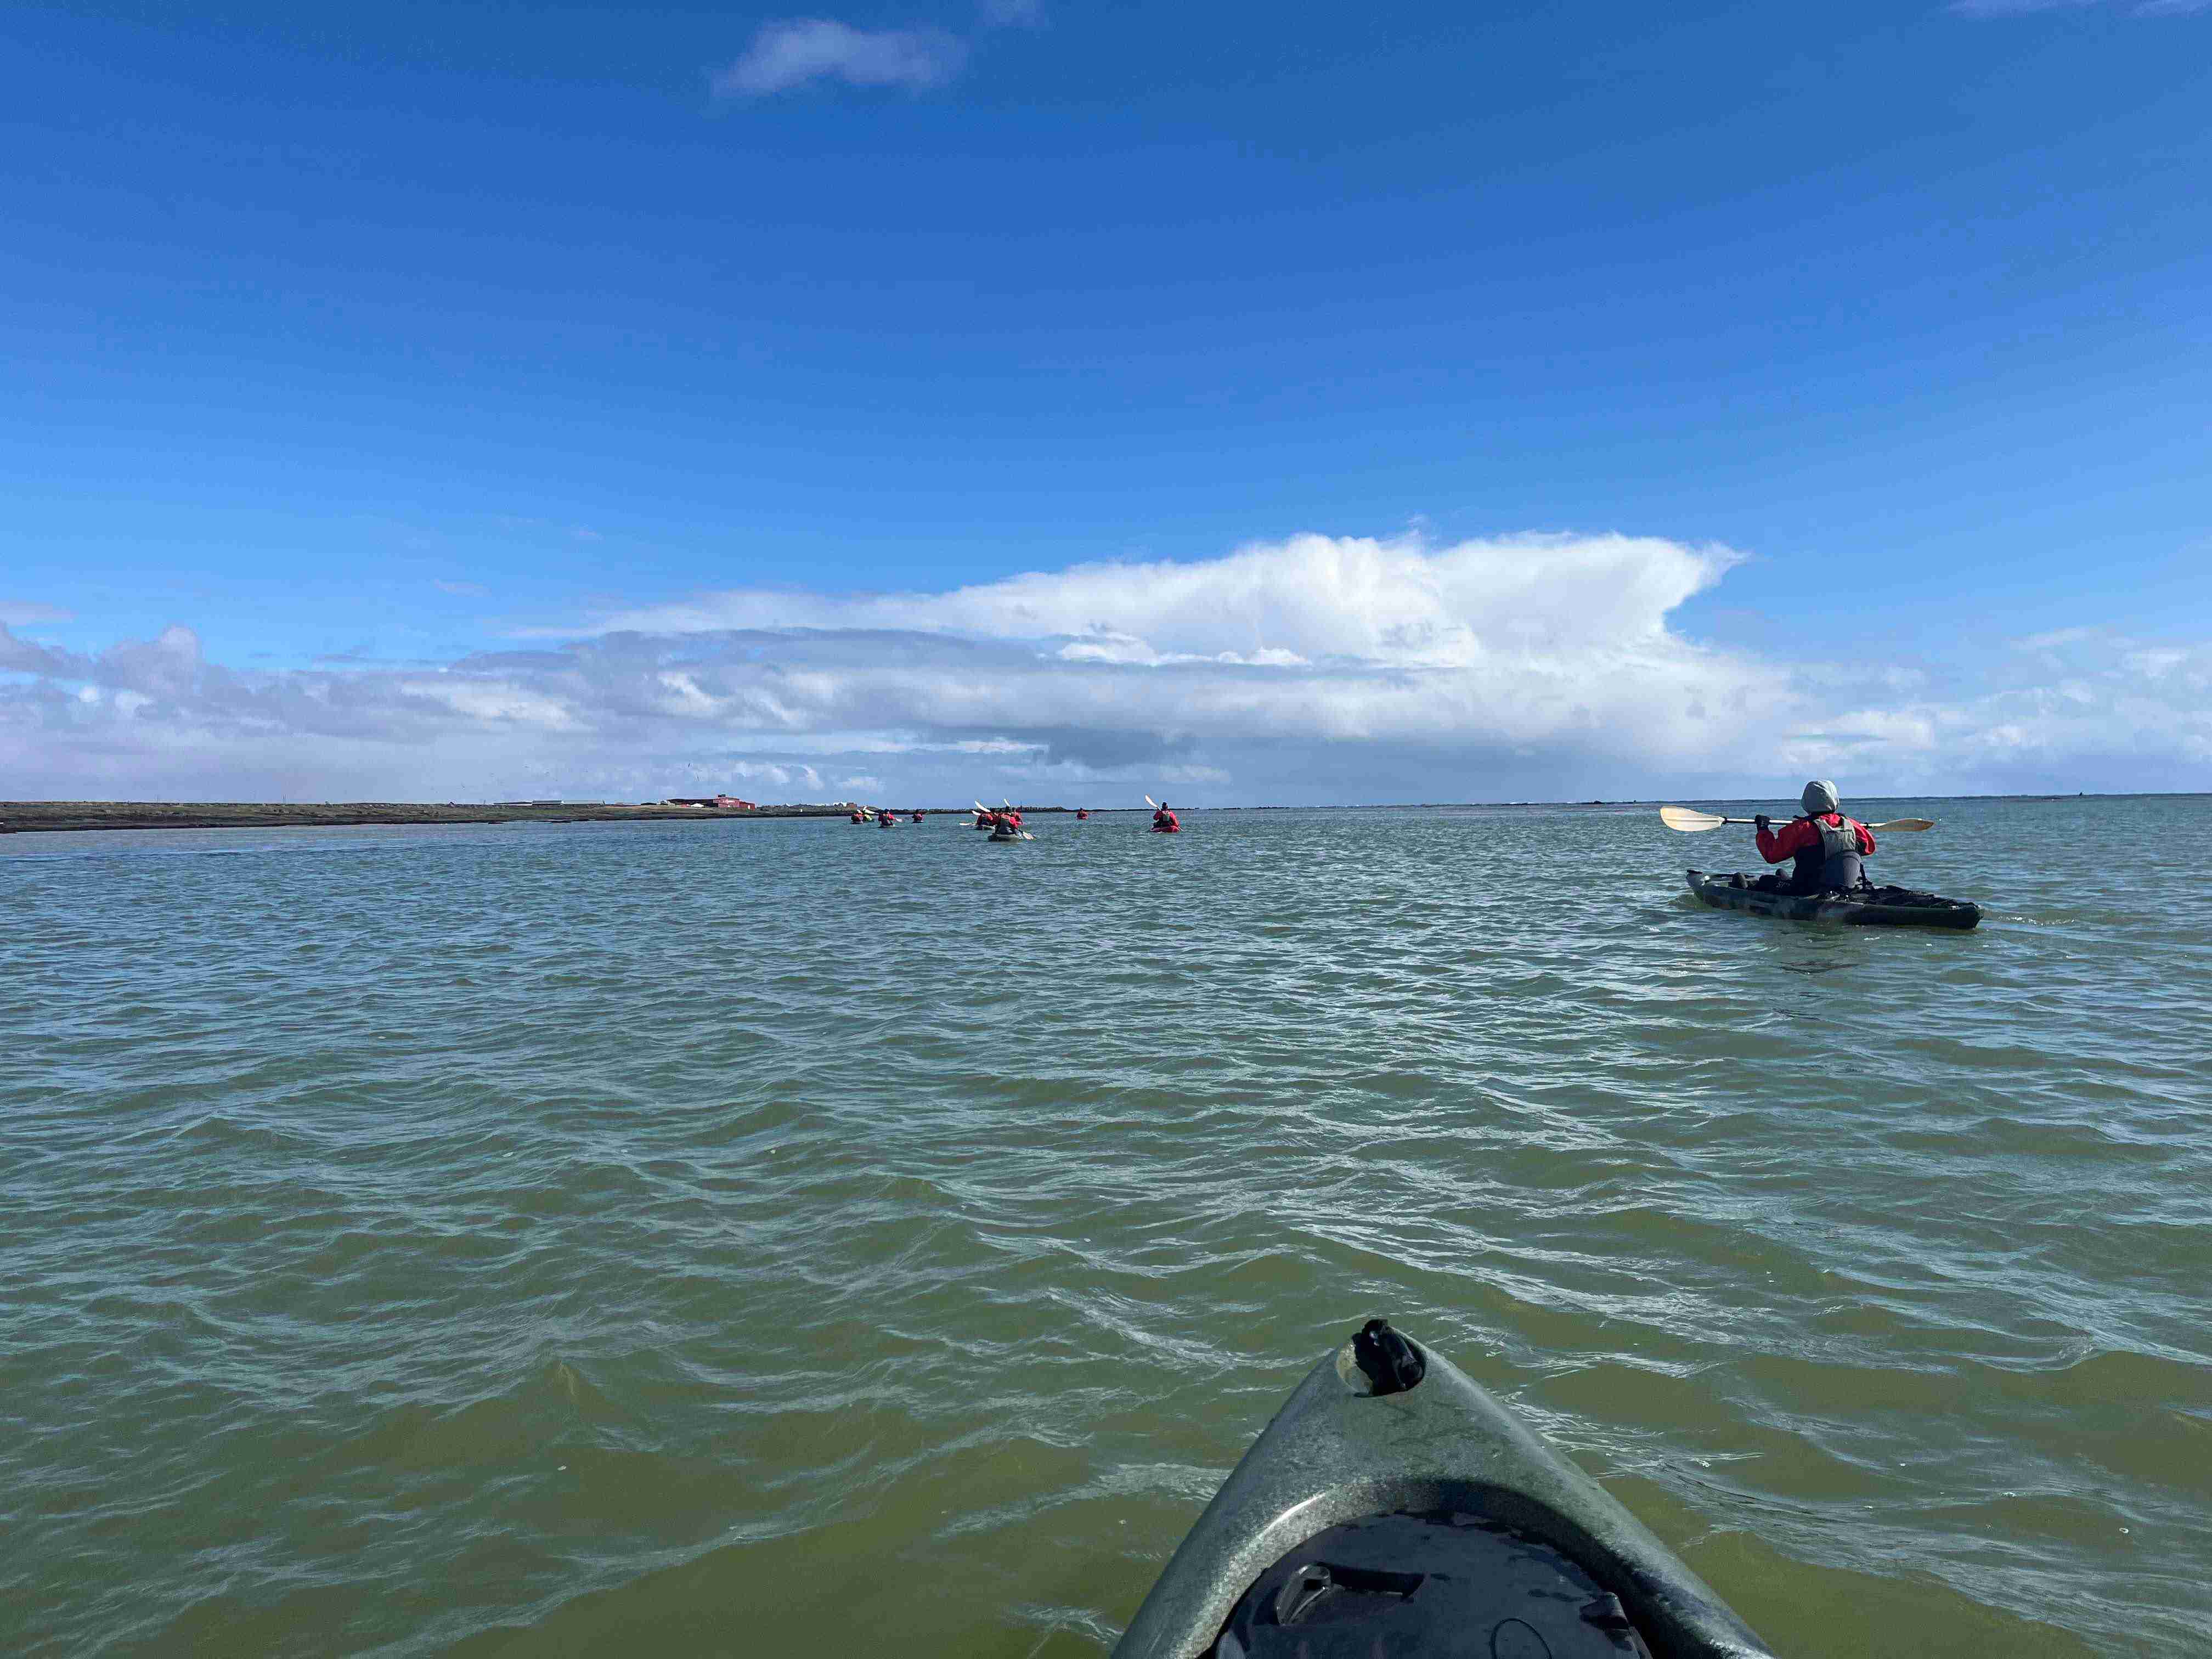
(1820, 797)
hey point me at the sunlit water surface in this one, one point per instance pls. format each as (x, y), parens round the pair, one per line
(739, 1238)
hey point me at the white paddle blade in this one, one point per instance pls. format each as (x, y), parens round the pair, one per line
(1688, 820)
(1910, 825)
(1150, 802)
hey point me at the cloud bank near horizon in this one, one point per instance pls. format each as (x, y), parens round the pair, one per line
(1311, 669)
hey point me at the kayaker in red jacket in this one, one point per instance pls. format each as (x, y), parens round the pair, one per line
(1827, 846)
(1164, 821)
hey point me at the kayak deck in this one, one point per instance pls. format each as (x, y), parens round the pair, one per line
(1870, 907)
(1336, 1531)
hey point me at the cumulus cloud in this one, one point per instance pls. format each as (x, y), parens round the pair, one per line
(791, 52)
(1310, 600)
(1316, 668)
(27, 613)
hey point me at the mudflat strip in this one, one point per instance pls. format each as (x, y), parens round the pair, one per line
(25, 815)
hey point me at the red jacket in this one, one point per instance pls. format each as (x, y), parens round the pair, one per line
(1798, 835)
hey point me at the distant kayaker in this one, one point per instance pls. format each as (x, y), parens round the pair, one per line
(1827, 846)
(1164, 821)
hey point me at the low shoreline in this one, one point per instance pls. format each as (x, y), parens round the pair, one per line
(23, 817)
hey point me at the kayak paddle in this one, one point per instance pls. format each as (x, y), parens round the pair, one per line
(1019, 834)
(1690, 821)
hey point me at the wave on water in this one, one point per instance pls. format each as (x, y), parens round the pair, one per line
(709, 1240)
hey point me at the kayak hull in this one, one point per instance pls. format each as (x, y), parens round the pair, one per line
(1337, 1452)
(1883, 907)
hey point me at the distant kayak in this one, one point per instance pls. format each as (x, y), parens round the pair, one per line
(1394, 1507)
(1871, 907)
(1166, 828)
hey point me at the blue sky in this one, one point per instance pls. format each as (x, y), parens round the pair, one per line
(472, 399)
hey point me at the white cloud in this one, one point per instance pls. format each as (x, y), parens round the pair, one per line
(2020, 7)
(1314, 668)
(2055, 637)
(463, 590)
(27, 613)
(791, 52)
(1311, 598)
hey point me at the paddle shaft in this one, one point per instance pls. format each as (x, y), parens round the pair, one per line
(1714, 821)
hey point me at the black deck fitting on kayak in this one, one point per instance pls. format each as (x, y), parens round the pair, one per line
(1392, 1363)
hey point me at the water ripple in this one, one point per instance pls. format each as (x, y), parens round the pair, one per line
(497, 1241)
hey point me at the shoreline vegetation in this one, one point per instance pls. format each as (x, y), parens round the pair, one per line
(23, 817)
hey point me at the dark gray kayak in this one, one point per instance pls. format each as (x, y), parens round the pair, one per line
(1392, 1507)
(1870, 907)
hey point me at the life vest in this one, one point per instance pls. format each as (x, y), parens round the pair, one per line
(1836, 864)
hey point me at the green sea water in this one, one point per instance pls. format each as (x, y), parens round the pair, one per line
(748, 1238)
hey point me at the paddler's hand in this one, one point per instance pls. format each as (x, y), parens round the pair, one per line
(1766, 825)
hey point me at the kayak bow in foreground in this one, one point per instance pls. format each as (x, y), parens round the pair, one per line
(1377, 1515)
